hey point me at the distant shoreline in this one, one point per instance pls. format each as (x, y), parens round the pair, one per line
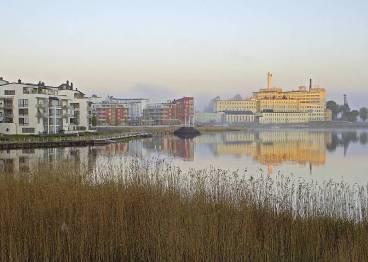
(169, 130)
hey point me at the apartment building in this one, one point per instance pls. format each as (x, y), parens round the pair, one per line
(135, 107)
(27, 108)
(159, 114)
(176, 112)
(106, 114)
(183, 110)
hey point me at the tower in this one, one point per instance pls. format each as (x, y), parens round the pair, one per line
(269, 80)
(310, 84)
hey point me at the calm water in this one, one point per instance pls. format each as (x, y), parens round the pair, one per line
(318, 155)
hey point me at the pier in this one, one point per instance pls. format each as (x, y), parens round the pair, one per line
(67, 141)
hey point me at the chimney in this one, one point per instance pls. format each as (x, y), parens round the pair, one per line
(71, 86)
(19, 81)
(310, 84)
(269, 80)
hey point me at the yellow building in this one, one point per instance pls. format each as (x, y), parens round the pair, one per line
(283, 117)
(277, 105)
(236, 105)
(273, 105)
(238, 117)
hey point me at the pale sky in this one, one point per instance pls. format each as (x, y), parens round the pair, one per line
(163, 49)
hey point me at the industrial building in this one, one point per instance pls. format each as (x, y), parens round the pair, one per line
(272, 105)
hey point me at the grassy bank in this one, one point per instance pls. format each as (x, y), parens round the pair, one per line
(140, 212)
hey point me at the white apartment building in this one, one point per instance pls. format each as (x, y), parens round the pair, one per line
(39, 109)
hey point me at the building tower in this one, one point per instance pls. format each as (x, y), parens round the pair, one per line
(269, 80)
(310, 84)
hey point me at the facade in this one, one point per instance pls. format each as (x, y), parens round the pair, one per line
(235, 105)
(278, 105)
(273, 105)
(39, 109)
(183, 110)
(283, 117)
(135, 107)
(176, 112)
(239, 117)
(159, 114)
(110, 114)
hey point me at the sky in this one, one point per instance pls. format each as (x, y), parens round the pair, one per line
(163, 49)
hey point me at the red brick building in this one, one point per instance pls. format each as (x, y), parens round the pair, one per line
(110, 114)
(176, 112)
(184, 110)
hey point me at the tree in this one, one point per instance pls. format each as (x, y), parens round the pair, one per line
(363, 114)
(351, 116)
(334, 107)
(94, 120)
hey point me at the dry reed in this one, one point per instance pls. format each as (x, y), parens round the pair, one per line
(139, 211)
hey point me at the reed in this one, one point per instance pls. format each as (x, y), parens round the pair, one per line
(143, 211)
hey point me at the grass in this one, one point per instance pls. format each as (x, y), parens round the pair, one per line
(139, 211)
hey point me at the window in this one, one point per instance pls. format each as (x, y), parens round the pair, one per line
(23, 102)
(23, 121)
(9, 92)
(23, 112)
(28, 130)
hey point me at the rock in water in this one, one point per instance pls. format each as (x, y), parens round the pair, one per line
(186, 132)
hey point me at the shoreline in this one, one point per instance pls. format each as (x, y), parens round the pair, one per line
(47, 142)
(127, 133)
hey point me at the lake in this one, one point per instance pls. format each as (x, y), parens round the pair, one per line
(311, 154)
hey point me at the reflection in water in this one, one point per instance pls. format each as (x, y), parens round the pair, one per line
(269, 148)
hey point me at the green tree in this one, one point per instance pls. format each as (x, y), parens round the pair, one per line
(363, 113)
(94, 120)
(334, 107)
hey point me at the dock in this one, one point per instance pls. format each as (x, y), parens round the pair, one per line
(75, 141)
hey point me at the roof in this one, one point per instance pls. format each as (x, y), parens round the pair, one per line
(128, 99)
(238, 112)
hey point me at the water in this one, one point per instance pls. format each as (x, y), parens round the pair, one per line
(311, 154)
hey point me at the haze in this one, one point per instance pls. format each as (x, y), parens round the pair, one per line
(164, 49)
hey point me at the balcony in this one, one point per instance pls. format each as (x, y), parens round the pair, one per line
(6, 106)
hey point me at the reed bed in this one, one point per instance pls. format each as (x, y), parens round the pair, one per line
(137, 210)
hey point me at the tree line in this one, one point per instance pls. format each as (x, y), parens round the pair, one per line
(345, 113)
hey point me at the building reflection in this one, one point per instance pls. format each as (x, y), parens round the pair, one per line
(272, 148)
(26, 160)
(269, 148)
(172, 146)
